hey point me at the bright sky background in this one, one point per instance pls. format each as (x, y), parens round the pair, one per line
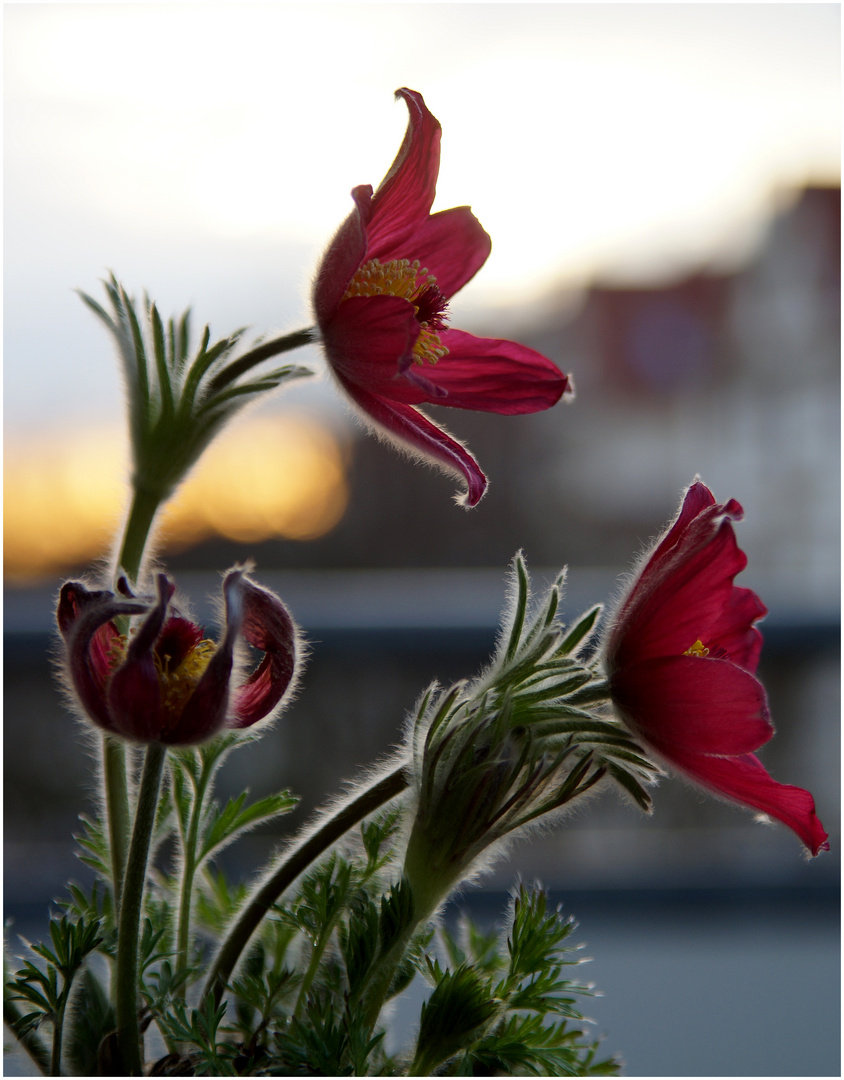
(205, 152)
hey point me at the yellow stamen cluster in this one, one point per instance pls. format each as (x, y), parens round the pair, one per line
(178, 685)
(117, 651)
(407, 279)
(698, 649)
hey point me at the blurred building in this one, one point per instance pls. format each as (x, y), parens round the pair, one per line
(734, 376)
(731, 375)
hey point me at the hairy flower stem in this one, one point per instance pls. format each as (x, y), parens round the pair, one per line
(142, 513)
(378, 984)
(295, 862)
(260, 353)
(118, 813)
(116, 782)
(316, 956)
(429, 889)
(58, 1028)
(188, 872)
(126, 1001)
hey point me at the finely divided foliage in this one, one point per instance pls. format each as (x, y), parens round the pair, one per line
(177, 404)
(520, 741)
(335, 941)
(484, 759)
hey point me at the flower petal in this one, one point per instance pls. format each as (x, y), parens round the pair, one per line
(696, 499)
(452, 245)
(134, 692)
(491, 375)
(204, 714)
(695, 704)
(404, 197)
(343, 256)
(416, 433)
(206, 710)
(745, 780)
(679, 603)
(84, 618)
(267, 626)
(368, 341)
(701, 713)
(74, 599)
(735, 632)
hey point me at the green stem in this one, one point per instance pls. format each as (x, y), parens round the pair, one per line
(375, 990)
(296, 861)
(118, 813)
(58, 1029)
(29, 1041)
(430, 882)
(260, 353)
(116, 781)
(188, 871)
(126, 998)
(138, 525)
(316, 956)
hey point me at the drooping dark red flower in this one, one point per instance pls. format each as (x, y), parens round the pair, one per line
(681, 656)
(163, 681)
(381, 301)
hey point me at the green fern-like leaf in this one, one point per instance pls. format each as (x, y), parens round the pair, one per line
(225, 824)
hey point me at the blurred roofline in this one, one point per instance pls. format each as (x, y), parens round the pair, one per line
(427, 601)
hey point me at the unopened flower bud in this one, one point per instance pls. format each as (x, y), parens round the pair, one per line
(160, 679)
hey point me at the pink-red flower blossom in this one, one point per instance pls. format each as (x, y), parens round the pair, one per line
(381, 301)
(163, 680)
(681, 656)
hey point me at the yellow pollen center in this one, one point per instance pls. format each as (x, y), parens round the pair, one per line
(409, 280)
(117, 651)
(176, 685)
(698, 649)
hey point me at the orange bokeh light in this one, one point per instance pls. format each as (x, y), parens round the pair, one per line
(64, 498)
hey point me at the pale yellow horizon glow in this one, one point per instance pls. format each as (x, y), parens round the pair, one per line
(282, 476)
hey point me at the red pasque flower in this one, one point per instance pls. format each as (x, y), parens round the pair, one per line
(381, 296)
(164, 681)
(681, 654)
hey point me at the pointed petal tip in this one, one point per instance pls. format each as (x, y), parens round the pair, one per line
(476, 490)
(411, 97)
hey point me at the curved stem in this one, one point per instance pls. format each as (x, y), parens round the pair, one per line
(294, 863)
(260, 353)
(126, 1000)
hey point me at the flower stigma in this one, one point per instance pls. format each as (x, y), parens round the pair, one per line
(410, 281)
